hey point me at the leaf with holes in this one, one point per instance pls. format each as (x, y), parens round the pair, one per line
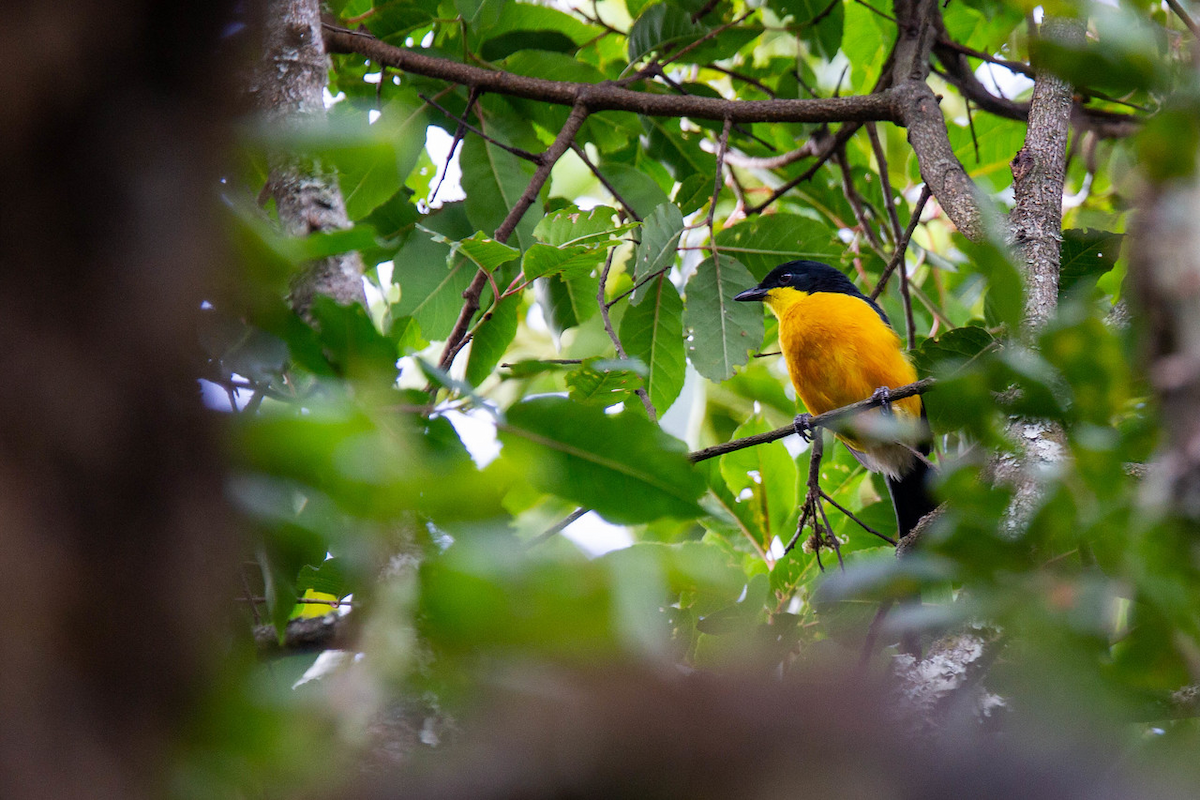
(606, 381)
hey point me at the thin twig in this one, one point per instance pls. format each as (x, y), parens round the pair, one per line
(1178, 8)
(844, 133)
(705, 38)
(612, 334)
(583, 156)
(546, 162)
(639, 284)
(885, 182)
(459, 133)
(902, 245)
(462, 123)
(856, 520)
(558, 527)
(722, 147)
(830, 419)
(809, 148)
(857, 205)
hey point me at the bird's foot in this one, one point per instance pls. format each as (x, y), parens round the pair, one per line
(883, 396)
(803, 426)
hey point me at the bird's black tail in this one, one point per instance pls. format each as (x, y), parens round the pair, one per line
(910, 496)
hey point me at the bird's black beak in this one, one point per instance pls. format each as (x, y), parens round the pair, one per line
(757, 293)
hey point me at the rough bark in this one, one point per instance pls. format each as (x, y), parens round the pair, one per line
(289, 90)
(115, 537)
(1035, 235)
(1039, 170)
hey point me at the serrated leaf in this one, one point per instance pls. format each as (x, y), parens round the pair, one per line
(542, 260)
(492, 338)
(484, 251)
(623, 466)
(572, 226)
(656, 252)
(1086, 255)
(763, 243)
(723, 332)
(605, 382)
(653, 332)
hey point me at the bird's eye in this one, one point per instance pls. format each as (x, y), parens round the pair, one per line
(785, 277)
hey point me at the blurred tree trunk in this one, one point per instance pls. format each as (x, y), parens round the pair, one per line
(1165, 276)
(116, 541)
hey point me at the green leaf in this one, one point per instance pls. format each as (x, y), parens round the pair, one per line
(352, 343)
(542, 260)
(492, 338)
(571, 226)
(606, 382)
(483, 250)
(656, 252)
(636, 187)
(393, 20)
(430, 288)
(372, 173)
(330, 243)
(660, 27)
(801, 11)
(769, 474)
(653, 332)
(825, 36)
(494, 180)
(866, 44)
(506, 44)
(952, 349)
(329, 578)
(1085, 255)
(723, 332)
(998, 139)
(694, 192)
(764, 242)
(1005, 301)
(568, 302)
(623, 466)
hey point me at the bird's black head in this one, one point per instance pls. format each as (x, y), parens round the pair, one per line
(809, 277)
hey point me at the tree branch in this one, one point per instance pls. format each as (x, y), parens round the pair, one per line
(289, 89)
(547, 160)
(1039, 171)
(830, 419)
(609, 97)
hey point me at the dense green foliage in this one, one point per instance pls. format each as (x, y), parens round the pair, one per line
(357, 450)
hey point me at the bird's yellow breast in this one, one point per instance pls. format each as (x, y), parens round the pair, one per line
(839, 351)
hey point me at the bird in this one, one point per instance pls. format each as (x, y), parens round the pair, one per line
(840, 348)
